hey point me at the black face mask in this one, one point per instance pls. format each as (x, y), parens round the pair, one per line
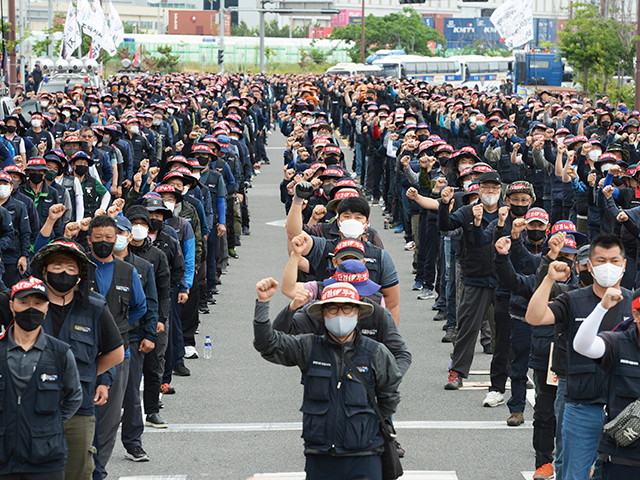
(36, 178)
(202, 161)
(566, 260)
(62, 282)
(536, 235)
(606, 124)
(585, 278)
(11, 129)
(618, 181)
(327, 189)
(81, 169)
(519, 210)
(422, 138)
(30, 319)
(51, 175)
(102, 249)
(155, 225)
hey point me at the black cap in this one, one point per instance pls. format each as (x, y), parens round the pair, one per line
(137, 212)
(489, 177)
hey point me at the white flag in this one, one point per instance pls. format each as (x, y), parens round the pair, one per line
(95, 25)
(514, 22)
(115, 26)
(94, 51)
(72, 37)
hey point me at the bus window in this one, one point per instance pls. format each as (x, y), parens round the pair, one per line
(421, 68)
(442, 67)
(452, 67)
(390, 71)
(466, 72)
(493, 67)
(473, 68)
(539, 64)
(410, 68)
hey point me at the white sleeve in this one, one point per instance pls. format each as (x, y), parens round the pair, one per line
(587, 342)
(22, 147)
(93, 171)
(104, 202)
(79, 208)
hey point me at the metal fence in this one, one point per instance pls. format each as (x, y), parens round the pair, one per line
(207, 53)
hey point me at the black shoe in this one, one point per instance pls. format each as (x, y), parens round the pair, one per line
(213, 301)
(155, 420)
(246, 231)
(487, 349)
(137, 454)
(448, 337)
(233, 254)
(454, 382)
(215, 291)
(238, 242)
(204, 309)
(181, 370)
(440, 316)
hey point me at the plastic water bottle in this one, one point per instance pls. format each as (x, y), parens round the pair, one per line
(386, 224)
(207, 347)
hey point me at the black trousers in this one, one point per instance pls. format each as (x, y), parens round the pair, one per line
(190, 316)
(544, 419)
(152, 378)
(326, 467)
(33, 476)
(500, 361)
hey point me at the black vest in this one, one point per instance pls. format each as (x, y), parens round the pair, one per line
(372, 258)
(119, 296)
(337, 412)
(81, 330)
(622, 388)
(477, 262)
(585, 381)
(31, 435)
(509, 172)
(90, 194)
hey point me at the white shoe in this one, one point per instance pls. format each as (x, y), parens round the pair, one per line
(190, 352)
(493, 399)
(410, 246)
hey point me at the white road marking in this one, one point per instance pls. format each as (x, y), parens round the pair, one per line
(408, 475)
(528, 475)
(156, 477)
(297, 426)
(278, 223)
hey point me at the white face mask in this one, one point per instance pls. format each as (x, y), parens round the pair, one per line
(196, 175)
(351, 228)
(490, 200)
(594, 155)
(309, 121)
(66, 114)
(170, 205)
(465, 185)
(382, 123)
(157, 122)
(44, 103)
(607, 275)
(341, 325)
(170, 111)
(139, 232)
(94, 143)
(199, 99)
(480, 123)
(185, 190)
(605, 168)
(472, 119)
(134, 129)
(94, 111)
(36, 123)
(5, 191)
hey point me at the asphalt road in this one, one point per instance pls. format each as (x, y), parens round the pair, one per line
(238, 415)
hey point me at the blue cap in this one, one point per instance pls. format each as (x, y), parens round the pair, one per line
(356, 273)
(123, 223)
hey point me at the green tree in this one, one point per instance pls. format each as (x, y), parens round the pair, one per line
(397, 30)
(595, 45)
(243, 30)
(168, 61)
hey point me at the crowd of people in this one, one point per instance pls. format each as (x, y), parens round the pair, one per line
(121, 208)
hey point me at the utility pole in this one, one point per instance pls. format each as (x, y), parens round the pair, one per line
(637, 78)
(362, 35)
(20, 47)
(12, 37)
(222, 23)
(50, 46)
(262, 38)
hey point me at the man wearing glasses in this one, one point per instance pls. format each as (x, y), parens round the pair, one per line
(340, 425)
(477, 267)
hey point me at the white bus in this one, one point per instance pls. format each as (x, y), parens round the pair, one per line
(354, 69)
(436, 70)
(487, 73)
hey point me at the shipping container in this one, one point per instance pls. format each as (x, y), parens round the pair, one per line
(320, 32)
(485, 31)
(545, 30)
(342, 19)
(194, 22)
(460, 29)
(428, 21)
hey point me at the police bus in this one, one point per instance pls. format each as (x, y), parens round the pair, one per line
(485, 73)
(436, 70)
(354, 70)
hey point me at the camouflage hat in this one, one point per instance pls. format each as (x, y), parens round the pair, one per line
(62, 245)
(521, 186)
